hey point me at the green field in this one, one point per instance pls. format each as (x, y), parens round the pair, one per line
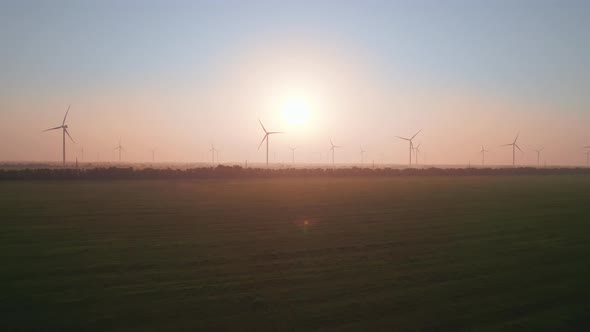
(396, 254)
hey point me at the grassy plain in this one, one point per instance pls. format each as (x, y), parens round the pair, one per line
(399, 253)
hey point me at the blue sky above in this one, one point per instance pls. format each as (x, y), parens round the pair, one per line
(526, 49)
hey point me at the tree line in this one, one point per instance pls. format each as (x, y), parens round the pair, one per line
(223, 172)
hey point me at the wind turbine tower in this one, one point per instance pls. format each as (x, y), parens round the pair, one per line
(293, 154)
(416, 152)
(120, 148)
(212, 150)
(153, 155)
(362, 155)
(483, 155)
(265, 138)
(332, 149)
(514, 147)
(538, 151)
(65, 132)
(410, 140)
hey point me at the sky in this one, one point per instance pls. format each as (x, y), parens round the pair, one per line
(178, 76)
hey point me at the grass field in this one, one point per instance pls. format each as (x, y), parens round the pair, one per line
(420, 253)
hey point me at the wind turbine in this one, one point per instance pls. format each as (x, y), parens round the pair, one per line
(362, 155)
(266, 137)
(417, 151)
(120, 148)
(65, 132)
(213, 150)
(514, 147)
(293, 154)
(588, 158)
(483, 155)
(411, 144)
(153, 154)
(332, 150)
(538, 151)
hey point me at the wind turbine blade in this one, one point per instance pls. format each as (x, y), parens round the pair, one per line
(416, 134)
(511, 144)
(259, 145)
(516, 137)
(262, 126)
(51, 129)
(332, 144)
(65, 116)
(69, 135)
(405, 139)
(518, 147)
(275, 132)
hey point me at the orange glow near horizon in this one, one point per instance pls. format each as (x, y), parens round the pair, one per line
(321, 93)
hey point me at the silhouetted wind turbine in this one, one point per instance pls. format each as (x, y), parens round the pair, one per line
(266, 136)
(417, 151)
(65, 132)
(293, 154)
(514, 147)
(213, 150)
(483, 155)
(332, 150)
(411, 144)
(153, 154)
(362, 155)
(538, 151)
(120, 148)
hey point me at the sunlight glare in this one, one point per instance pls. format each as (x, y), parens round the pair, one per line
(296, 111)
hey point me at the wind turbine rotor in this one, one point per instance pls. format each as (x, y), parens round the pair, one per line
(416, 134)
(53, 128)
(516, 139)
(65, 116)
(68, 133)
(263, 139)
(262, 126)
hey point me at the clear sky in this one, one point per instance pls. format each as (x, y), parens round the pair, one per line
(180, 75)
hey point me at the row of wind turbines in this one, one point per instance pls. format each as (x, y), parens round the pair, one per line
(413, 150)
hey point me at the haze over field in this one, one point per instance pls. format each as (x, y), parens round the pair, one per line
(180, 75)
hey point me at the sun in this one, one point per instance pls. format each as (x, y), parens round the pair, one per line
(296, 111)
